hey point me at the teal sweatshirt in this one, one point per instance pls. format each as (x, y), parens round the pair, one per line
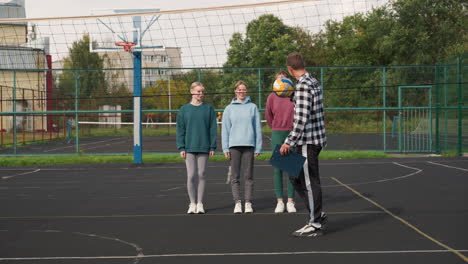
(196, 128)
(241, 126)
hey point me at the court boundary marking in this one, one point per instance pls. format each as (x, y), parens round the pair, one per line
(447, 166)
(240, 254)
(456, 252)
(324, 186)
(19, 174)
(84, 144)
(78, 167)
(167, 215)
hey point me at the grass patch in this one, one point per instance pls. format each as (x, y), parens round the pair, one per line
(452, 153)
(160, 158)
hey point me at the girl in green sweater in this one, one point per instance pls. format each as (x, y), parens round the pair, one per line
(196, 140)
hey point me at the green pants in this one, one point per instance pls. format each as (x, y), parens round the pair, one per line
(277, 138)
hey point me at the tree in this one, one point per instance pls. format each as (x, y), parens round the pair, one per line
(357, 40)
(429, 30)
(267, 42)
(211, 79)
(405, 32)
(87, 68)
(157, 97)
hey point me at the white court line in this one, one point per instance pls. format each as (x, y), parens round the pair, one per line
(383, 180)
(443, 165)
(242, 254)
(408, 224)
(138, 249)
(100, 146)
(226, 166)
(359, 183)
(171, 189)
(72, 146)
(19, 174)
(171, 215)
(136, 258)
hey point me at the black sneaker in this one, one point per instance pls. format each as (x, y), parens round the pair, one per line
(323, 219)
(308, 230)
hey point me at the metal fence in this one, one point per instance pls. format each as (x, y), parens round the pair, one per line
(402, 109)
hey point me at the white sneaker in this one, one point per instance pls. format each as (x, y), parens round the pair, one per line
(290, 207)
(200, 209)
(308, 230)
(238, 208)
(192, 208)
(279, 207)
(248, 208)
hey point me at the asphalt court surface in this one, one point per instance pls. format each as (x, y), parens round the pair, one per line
(380, 211)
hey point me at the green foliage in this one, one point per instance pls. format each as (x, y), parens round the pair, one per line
(405, 32)
(211, 79)
(87, 72)
(157, 97)
(357, 40)
(267, 43)
(429, 30)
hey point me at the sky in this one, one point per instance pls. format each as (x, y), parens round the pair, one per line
(54, 8)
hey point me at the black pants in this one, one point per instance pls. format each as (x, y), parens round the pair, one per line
(307, 185)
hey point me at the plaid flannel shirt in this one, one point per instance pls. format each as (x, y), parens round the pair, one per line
(309, 124)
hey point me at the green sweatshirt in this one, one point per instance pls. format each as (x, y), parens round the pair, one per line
(196, 128)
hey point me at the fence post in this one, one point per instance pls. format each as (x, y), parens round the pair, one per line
(322, 76)
(384, 105)
(1, 117)
(460, 105)
(259, 88)
(77, 126)
(400, 121)
(14, 113)
(437, 105)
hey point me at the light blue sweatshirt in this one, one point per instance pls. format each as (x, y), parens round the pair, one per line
(241, 126)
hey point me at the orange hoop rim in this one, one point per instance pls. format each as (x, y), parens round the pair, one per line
(127, 45)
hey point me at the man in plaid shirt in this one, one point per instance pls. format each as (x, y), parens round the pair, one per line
(308, 138)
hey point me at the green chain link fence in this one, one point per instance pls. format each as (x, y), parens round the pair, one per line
(403, 109)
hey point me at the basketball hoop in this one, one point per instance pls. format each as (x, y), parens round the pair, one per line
(126, 45)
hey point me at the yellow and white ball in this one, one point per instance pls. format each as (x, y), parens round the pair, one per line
(283, 87)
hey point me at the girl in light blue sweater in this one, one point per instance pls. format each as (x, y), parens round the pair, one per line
(242, 141)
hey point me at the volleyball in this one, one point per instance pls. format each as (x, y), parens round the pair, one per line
(283, 87)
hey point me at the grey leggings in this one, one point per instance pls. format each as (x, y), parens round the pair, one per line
(196, 166)
(242, 157)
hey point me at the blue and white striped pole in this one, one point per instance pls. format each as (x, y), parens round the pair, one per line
(137, 135)
(137, 142)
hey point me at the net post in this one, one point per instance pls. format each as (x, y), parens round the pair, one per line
(137, 135)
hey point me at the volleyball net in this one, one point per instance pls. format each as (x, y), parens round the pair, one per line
(58, 73)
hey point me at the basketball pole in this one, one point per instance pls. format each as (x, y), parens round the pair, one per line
(137, 133)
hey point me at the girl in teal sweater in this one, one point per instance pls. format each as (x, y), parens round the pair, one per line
(196, 140)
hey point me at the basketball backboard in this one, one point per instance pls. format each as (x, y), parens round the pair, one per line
(110, 31)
